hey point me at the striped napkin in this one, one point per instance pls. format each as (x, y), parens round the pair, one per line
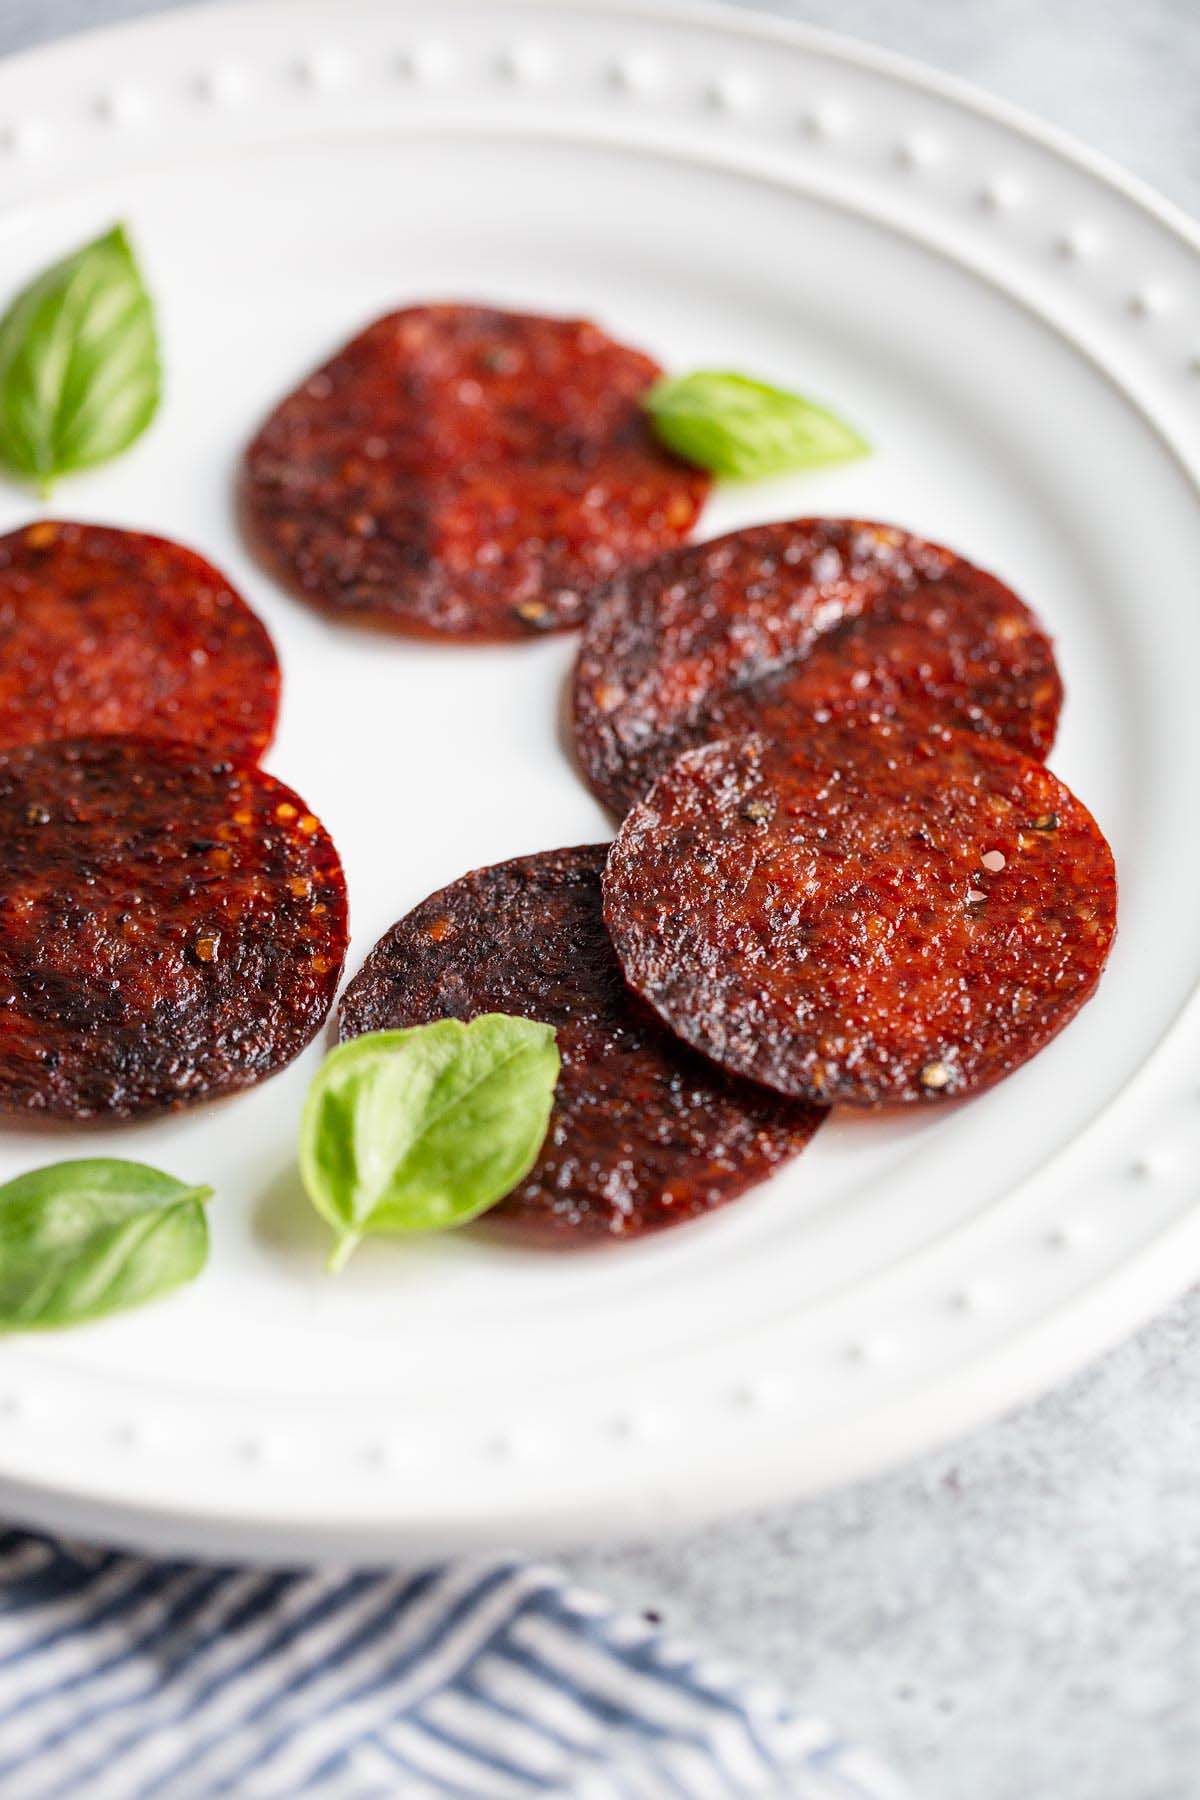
(480, 1679)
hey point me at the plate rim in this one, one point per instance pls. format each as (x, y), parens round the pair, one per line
(732, 18)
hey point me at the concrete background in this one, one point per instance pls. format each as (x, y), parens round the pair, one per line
(1017, 1618)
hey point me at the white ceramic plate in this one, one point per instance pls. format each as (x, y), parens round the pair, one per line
(1017, 329)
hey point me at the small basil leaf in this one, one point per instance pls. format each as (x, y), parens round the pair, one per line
(424, 1129)
(80, 1239)
(746, 429)
(80, 377)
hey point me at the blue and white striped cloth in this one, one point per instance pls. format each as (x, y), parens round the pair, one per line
(480, 1679)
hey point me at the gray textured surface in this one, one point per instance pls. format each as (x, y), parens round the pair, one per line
(1017, 1618)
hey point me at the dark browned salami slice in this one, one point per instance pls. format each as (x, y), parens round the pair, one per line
(114, 631)
(461, 471)
(867, 913)
(644, 1133)
(783, 623)
(172, 926)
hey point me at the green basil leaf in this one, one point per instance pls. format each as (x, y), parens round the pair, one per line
(424, 1129)
(746, 429)
(80, 1239)
(80, 376)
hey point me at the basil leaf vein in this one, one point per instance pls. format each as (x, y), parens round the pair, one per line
(80, 374)
(424, 1129)
(744, 429)
(84, 1238)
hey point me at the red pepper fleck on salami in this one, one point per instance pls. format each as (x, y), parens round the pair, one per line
(778, 625)
(117, 631)
(172, 926)
(466, 472)
(868, 913)
(644, 1133)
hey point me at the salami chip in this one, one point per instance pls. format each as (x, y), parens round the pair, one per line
(866, 914)
(465, 472)
(113, 631)
(785, 623)
(644, 1133)
(172, 926)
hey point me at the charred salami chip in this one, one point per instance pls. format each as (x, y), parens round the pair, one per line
(172, 926)
(867, 913)
(644, 1133)
(784, 623)
(462, 471)
(114, 631)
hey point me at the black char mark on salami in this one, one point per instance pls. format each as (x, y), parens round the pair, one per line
(172, 926)
(465, 472)
(115, 631)
(867, 914)
(780, 624)
(644, 1132)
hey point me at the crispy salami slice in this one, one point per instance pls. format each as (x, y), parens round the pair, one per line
(461, 471)
(114, 631)
(172, 926)
(788, 622)
(866, 913)
(644, 1133)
